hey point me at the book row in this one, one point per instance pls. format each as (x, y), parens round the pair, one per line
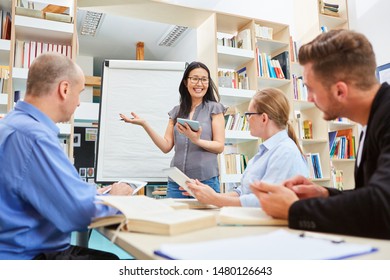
(26, 52)
(314, 165)
(236, 122)
(233, 79)
(268, 67)
(299, 87)
(234, 163)
(342, 144)
(242, 40)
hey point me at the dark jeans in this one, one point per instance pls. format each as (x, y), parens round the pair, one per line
(77, 253)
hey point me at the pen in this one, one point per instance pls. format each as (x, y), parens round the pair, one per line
(333, 239)
(107, 191)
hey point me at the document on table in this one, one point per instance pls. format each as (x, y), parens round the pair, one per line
(277, 245)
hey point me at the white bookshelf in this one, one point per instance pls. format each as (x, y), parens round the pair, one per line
(29, 28)
(234, 97)
(231, 58)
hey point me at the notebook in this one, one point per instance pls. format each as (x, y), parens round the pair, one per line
(276, 245)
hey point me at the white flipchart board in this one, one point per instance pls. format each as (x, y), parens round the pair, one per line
(151, 90)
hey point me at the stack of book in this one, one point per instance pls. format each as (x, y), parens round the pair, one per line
(329, 9)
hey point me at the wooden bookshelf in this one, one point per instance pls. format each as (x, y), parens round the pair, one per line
(42, 32)
(233, 58)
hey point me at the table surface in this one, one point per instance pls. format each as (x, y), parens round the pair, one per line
(142, 246)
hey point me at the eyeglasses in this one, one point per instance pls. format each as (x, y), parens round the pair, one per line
(248, 114)
(195, 80)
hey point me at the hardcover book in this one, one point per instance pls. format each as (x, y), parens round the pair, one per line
(284, 61)
(147, 215)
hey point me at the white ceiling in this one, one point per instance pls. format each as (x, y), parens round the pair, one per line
(124, 23)
(117, 36)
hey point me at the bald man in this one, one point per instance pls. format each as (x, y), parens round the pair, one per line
(42, 198)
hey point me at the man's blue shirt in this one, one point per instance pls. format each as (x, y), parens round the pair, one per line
(42, 198)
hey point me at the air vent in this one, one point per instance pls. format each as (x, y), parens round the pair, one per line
(91, 23)
(172, 36)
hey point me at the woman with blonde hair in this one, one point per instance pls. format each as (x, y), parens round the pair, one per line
(279, 156)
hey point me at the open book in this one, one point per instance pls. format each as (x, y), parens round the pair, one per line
(231, 215)
(193, 203)
(148, 215)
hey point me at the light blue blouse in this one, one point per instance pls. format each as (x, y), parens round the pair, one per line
(278, 159)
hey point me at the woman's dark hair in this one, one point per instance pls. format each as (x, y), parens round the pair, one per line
(185, 97)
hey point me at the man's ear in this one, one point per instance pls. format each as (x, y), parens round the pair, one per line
(63, 89)
(341, 90)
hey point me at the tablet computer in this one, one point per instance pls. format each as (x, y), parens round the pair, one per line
(193, 124)
(179, 177)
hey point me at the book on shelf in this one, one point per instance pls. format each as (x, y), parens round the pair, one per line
(336, 6)
(244, 40)
(25, 52)
(264, 32)
(147, 215)
(284, 60)
(299, 87)
(233, 163)
(250, 216)
(7, 23)
(271, 69)
(28, 12)
(330, 13)
(342, 144)
(58, 17)
(299, 119)
(329, 8)
(314, 165)
(293, 50)
(332, 138)
(43, 10)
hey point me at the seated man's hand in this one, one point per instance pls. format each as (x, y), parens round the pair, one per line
(274, 200)
(121, 189)
(304, 188)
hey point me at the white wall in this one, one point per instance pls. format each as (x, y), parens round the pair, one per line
(185, 50)
(372, 19)
(86, 64)
(271, 10)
